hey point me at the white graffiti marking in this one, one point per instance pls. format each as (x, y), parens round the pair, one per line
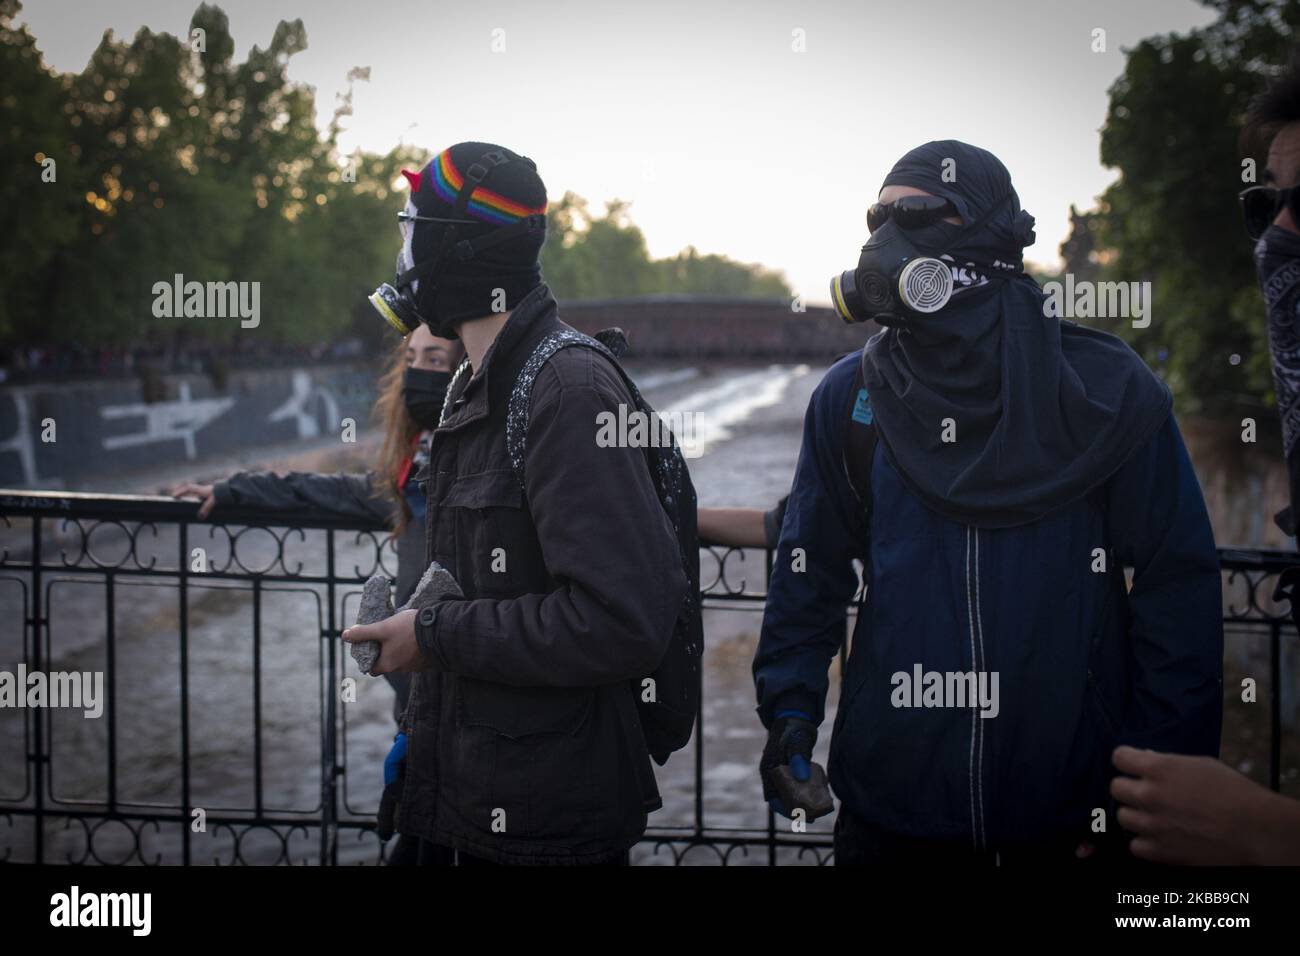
(21, 443)
(295, 406)
(167, 421)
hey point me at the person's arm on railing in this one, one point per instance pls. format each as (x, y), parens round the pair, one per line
(345, 495)
(742, 527)
(732, 527)
(1159, 526)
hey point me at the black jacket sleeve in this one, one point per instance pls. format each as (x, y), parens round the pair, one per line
(349, 496)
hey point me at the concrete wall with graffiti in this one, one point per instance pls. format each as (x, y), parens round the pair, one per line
(104, 427)
(51, 434)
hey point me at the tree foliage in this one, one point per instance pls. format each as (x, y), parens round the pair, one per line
(593, 257)
(178, 160)
(171, 157)
(1172, 131)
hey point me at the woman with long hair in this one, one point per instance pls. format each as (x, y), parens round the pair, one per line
(411, 393)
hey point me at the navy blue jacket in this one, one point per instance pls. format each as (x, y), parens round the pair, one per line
(1083, 663)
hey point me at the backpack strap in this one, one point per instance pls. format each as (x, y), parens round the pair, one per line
(521, 395)
(859, 443)
(668, 470)
(610, 343)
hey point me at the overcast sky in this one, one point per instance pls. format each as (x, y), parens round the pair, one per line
(700, 112)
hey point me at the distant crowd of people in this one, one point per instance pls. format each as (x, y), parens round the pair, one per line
(60, 363)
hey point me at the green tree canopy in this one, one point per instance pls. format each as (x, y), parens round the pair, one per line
(171, 157)
(593, 257)
(1172, 131)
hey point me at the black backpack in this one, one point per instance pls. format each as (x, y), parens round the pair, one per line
(666, 721)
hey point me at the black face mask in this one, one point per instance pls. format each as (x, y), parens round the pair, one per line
(423, 391)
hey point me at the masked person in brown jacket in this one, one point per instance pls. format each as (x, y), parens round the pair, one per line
(525, 742)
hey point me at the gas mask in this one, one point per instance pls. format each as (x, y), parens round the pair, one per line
(397, 302)
(896, 282)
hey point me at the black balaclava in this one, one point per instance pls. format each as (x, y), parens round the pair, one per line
(498, 276)
(1044, 411)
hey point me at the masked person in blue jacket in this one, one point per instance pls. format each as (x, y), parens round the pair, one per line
(995, 469)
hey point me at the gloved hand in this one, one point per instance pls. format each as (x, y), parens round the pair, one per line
(789, 742)
(790, 745)
(394, 776)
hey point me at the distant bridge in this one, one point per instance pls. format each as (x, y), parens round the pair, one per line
(701, 327)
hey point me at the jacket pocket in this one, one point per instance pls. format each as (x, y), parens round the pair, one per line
(487, 489)
(520, 712)
(517, 712)
(492, 525)
(523, 763)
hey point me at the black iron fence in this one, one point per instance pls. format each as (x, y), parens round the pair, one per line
(215, 743)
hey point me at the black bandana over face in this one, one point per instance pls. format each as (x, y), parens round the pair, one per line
(1277, 261)
(1044, 411)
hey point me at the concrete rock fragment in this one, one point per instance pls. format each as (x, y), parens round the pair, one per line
(376, 605)
(436, 584)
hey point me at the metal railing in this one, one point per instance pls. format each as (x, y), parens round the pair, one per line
(166, 605)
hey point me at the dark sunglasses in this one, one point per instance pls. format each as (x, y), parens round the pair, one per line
(1261, 204)
(910, 212)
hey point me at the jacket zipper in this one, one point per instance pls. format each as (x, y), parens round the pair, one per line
(976, 626)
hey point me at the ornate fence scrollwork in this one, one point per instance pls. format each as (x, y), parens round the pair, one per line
(118, 541)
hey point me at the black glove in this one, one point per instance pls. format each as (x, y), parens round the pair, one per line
(789, 743)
